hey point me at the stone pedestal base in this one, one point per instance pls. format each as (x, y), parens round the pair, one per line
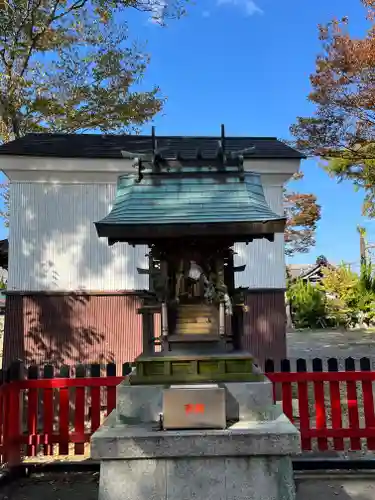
(203, 478)
(247, 461)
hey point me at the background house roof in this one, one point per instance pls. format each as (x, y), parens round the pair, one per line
(110, 146)
(300, 270)
(306, 271)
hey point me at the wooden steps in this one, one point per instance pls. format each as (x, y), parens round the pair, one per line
(197, 319)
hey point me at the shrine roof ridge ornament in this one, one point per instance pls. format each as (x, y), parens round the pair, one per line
(165, 153)
(162, 157)
(158, 161)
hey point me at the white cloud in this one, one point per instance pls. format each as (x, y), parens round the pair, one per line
(158, 12)
(248, 6)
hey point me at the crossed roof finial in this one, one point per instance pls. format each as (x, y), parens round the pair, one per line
(155, 156)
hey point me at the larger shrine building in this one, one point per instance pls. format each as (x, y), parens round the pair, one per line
(71, 297)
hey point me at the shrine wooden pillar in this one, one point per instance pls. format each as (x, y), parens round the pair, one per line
(148, 328)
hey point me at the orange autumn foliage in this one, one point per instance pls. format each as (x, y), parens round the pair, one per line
(342, 129)
(303, 213)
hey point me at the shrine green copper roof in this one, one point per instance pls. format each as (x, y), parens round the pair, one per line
(205, 200)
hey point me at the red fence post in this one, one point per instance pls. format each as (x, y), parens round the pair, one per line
(303, 405)
(79, 412)
(351, 387)
(320, 407)
(32, 412)
(368, 403)
(335, 400)
(64, 414)
(5, 416)
(111, 391)
(286, 391)
(48, 413)
(95, 399)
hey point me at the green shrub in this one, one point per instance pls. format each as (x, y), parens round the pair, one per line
(343, 298)
(341, 286)
(366, 292)
(307, 304)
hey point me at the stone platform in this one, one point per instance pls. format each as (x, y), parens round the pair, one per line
(249, 460)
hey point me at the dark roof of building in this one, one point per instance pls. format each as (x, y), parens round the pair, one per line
(110, 146)
(306, 271)
(175, 203)
(300, 270)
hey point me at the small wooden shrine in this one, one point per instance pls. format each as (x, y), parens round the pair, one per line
(190, 211)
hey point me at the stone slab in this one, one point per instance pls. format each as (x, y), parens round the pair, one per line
(215, 478)
(244, 401)
(118, 441)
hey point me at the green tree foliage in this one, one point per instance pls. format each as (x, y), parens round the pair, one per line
(341, 286)
(343, 298)
(307, 304)
(68, 66)
(366, 292)
(340, 281)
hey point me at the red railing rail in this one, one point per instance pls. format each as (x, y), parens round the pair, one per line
(334, 408)
(54, 416)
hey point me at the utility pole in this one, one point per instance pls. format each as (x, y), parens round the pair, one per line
(364, 246)
(362, 242)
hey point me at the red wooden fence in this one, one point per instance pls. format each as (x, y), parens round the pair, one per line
(334, 410)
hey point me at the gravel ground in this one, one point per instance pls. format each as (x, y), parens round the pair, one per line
(75, 486)
(70, 486)
(331, 343)
(338, 490)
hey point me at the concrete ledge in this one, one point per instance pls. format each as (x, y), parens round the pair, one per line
(115, 441)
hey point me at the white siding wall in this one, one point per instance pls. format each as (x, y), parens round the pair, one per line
(54, 245)
(265, 260)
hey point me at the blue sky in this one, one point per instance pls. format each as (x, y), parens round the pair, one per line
(247, 63)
